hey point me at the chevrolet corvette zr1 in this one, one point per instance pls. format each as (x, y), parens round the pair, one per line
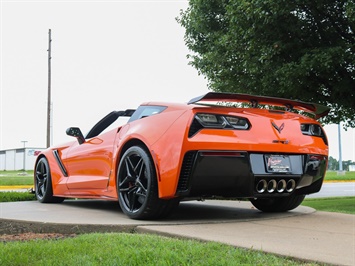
(265, 149)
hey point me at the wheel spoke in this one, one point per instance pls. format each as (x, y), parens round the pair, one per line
(43, 169)
(38, 173)
(125, 181)
(129, 166)
(42, 189)
(132, 198)
(41, 178)
(139, 167)
(140, 185)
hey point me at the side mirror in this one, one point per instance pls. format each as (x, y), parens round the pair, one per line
(76, 132)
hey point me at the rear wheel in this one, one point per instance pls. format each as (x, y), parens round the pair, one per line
(43, 183)
(138, 187)
(278, 204)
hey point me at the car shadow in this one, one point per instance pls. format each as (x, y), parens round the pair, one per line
(194, 211)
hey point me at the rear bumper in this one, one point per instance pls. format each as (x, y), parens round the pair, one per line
(246, 175)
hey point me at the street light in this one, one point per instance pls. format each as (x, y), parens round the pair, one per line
(24, 154)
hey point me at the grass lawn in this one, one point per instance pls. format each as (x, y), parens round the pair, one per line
(132, 249)
(16, 178)
(344, 176)
(333, 204)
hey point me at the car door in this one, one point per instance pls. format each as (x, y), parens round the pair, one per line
(89, 161)
(89, 164)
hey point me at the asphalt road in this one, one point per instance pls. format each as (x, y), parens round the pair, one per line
(336, 189)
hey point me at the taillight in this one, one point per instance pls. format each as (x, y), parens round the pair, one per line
(204, 120)
(314, 130)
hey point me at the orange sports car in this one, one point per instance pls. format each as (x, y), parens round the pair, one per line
(271, 151)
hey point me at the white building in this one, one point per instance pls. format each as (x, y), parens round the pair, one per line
(19, 159)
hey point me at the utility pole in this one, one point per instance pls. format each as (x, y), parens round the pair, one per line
(24, 154)
(49, 91)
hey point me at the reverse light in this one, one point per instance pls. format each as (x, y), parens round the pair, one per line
(237, 122)
(210, 120)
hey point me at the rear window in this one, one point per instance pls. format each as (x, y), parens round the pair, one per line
(144, 111)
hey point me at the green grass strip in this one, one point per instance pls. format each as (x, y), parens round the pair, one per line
(132, 249)
(333, 204)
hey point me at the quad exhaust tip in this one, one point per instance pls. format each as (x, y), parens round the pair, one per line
(281, 186)
(290, 186)
(273, 185)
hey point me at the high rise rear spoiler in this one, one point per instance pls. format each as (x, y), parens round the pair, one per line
(317, 110)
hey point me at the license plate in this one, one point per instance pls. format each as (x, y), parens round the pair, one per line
(277, 163)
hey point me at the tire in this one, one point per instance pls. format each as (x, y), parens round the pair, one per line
(278, 204)
(43, 183)
(137, 187)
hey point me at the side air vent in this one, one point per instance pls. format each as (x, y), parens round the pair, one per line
(185, 172)
(60, 163)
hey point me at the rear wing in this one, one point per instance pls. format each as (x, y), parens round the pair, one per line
(316, 109)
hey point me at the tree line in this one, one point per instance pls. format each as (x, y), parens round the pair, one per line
(333, 164)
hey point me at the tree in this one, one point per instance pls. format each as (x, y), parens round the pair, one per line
(332, 164)
(293, 49)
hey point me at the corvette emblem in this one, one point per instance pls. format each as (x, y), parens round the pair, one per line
(278, 128)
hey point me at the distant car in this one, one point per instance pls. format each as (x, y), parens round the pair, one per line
(219, 145)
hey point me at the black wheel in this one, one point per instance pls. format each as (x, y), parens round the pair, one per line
(43, 183)
(137, 187)
(278, 204)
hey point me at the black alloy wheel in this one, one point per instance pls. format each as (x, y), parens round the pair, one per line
(137, 186)
(43, 183)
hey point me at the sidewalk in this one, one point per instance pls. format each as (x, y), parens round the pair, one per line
(319, 237)
(302, 233)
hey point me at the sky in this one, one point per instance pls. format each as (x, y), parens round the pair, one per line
(106, 55)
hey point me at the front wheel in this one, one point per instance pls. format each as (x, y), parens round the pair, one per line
(281, 204)
(43, 183)
(137, 186)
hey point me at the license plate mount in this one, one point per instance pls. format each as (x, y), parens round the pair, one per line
(277, 163)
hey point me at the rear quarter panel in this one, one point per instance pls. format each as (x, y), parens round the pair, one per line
(163, 135)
